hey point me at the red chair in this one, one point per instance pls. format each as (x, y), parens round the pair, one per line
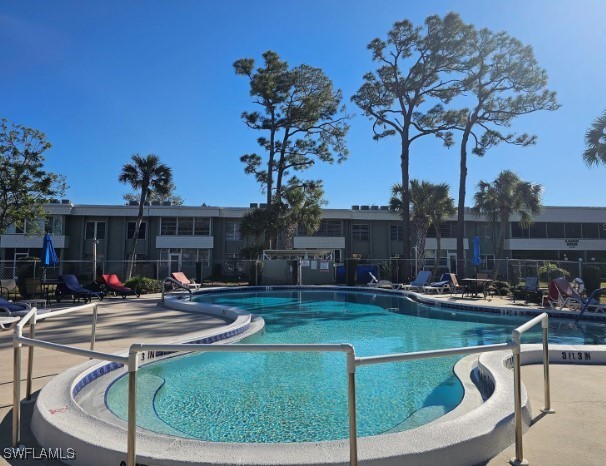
(113, 284)
(186, 282)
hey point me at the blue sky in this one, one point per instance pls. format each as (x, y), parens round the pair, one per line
(107, 79)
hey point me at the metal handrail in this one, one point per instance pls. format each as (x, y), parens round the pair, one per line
(133, 358)
(175, 283)
(399, 357)
(19, 341)
(516, 337)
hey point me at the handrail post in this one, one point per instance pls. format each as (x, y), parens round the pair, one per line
(133, 366)
(518, 460)
(546, 380)
(16, 387)
(30, 358)
(351, 402)
(93, 333)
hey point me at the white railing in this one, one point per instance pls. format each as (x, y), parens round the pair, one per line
(517, 379)
(19, 341)
(132, 362)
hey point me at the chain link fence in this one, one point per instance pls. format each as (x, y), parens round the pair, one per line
(307, 272)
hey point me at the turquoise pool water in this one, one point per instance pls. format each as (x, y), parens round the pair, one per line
(302, 397)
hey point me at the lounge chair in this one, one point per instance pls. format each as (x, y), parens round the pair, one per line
(531, 289)
(561, 294)
(9, 288)
(418, 283)
(69, 286)
(112, 284)
(181, 278)
(455, 285)
(592, 303)
(10, 309)
(376, 283)
(439, 287)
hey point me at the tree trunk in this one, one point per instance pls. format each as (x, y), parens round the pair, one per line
(289, 236)
(438, 249)
(405, 161)
(503, 223)
(461, 206)
(131, 263)
(421, 236)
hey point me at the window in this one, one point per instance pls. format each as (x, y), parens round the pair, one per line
(168, 226)
(130, 230)
(53, 225)
(447, 230)
(396, 233)
(591, 230)
(32, 227)
(538, 230)
(329, 228)
(359, 232)
(518, 231)
(202, 227)
(232, 231)
(185, 226)
(326, 228)
(573, 230)
(95, 230)
(555, 230)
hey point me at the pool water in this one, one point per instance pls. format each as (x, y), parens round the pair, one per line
(302, 397)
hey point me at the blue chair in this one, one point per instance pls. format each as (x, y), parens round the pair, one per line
(69, 286)
(442, 285)
(13, 309)
(423, 278)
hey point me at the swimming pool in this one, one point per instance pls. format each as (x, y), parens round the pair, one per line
(301, 397)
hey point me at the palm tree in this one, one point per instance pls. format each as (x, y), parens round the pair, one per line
(147, 175)
(503, 197)
(431, 204)
(303, 209)
(442, 207)
(595, 141)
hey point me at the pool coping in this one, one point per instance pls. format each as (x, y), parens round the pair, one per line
(465, 438)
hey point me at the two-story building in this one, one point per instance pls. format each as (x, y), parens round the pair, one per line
(205, 240)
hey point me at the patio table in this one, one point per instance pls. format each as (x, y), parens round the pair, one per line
(474, 286)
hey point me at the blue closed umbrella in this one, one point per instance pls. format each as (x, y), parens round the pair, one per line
(477, 260)
(48, 256)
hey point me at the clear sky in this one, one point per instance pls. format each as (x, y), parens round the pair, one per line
(107, 79)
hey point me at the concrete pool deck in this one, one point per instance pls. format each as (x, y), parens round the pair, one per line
(573, 434)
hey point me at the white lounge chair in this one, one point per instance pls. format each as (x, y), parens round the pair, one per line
(418, 283)
(439, 287)
(376, 283)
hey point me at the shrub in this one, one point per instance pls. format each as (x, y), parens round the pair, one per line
(549, 271)
(144, 285)
(592, 278)
(503, 288)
